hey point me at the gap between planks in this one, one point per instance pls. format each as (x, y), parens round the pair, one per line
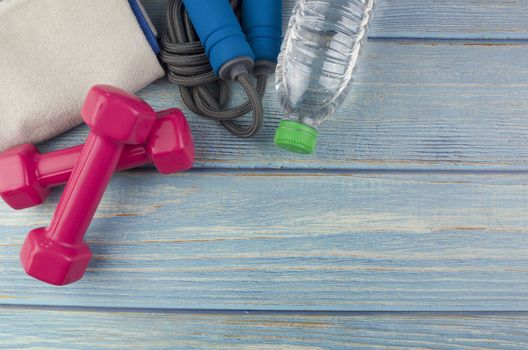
(337, 172)
(103, 309)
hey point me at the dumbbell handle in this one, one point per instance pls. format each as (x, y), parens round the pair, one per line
(54, 168)
(85, 189)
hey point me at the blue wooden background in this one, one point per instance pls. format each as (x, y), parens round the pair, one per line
(407, 229)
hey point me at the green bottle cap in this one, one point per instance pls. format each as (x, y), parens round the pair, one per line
(296, 137)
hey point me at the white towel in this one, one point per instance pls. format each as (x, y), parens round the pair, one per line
(53, 51)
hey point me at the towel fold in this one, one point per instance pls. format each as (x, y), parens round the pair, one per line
(52, 52)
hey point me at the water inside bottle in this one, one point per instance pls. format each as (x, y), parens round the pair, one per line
(319, 56)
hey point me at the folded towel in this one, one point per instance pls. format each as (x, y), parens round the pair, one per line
(52, 52)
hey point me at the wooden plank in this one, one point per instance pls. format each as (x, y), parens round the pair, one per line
(421, 105)
(477, 19)
(293, 240)
(66, 329)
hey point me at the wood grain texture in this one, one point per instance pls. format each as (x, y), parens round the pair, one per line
(149, 330)
(332, 239)
(414, 105)
(469, 19)
(293, 240)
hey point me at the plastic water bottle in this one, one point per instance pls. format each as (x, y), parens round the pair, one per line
(317, 60)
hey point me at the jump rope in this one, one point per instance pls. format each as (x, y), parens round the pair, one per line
(190, 65)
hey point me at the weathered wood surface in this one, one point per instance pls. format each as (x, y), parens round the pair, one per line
(79, 329)
(376, 220)
(414, 105)
(293, 240)
(467, 19)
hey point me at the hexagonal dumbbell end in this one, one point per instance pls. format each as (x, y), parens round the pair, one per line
(131, 118)
(54, 262)
(170, 145)
(19, 185)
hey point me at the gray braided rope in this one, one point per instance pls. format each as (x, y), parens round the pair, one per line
(202, 92)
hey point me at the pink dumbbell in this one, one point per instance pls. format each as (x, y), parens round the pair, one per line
(28, 176)
(57, 254)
